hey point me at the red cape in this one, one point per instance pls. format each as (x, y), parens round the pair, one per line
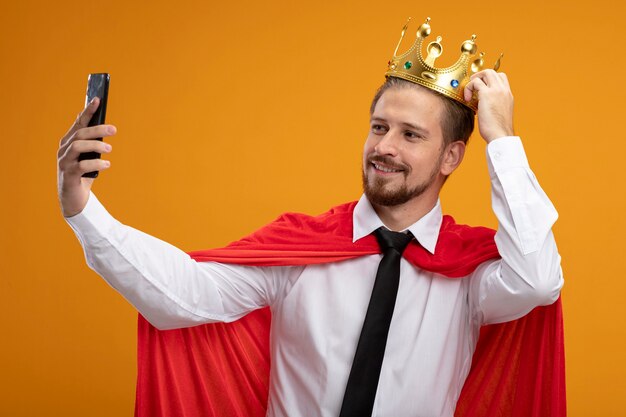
(220, 370)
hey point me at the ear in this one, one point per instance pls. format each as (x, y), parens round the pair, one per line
(452, 157)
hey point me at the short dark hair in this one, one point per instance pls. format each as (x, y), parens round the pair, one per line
(457, 121)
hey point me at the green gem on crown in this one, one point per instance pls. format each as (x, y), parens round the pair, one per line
(408, 64)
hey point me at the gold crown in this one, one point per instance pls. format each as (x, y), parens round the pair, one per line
(450, 81)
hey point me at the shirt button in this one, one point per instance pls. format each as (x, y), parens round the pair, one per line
(497, 155)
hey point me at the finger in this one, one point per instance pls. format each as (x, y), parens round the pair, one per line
(482, 73)
(474, 86)
(83, 118)
(88, 133)
(489, 77)
(72, 151)
(94, 132)
(77, 168)
(90, 165)
(504, 79)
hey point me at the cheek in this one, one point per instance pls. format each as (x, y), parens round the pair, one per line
(368, 148)
(370, 144)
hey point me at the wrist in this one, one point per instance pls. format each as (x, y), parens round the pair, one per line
(72, 207)
(498, 134)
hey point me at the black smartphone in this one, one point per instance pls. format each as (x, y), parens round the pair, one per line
(97, 86)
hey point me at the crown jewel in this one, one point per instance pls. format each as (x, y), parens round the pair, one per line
(450, 81)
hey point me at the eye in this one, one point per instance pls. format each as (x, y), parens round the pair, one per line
(379, 129)
(412, 135)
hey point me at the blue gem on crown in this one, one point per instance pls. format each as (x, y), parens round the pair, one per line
(454, 83)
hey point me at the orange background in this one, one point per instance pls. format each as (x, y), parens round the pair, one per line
(230, 113)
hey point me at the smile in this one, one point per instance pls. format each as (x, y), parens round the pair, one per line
(385, 169)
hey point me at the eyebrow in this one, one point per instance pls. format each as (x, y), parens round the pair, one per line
(406, 124)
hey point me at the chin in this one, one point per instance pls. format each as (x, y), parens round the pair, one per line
(390, 197)
(380, 193)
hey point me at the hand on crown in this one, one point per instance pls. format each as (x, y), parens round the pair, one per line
(484, 91)
(495, 103)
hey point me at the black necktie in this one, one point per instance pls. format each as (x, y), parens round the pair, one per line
(358, 400)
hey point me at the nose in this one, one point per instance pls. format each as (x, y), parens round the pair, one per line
(388, 145)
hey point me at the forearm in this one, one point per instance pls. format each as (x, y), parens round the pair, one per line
(529, 273)
(162, 282)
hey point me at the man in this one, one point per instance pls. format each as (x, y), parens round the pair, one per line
(416, 140)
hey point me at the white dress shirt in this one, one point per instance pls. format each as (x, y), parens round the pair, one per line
(318, 310)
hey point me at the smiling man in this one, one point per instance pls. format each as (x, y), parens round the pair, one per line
(407, 157)
(376, 305)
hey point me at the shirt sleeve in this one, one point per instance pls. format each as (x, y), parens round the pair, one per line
(529, 271)
(165, 284)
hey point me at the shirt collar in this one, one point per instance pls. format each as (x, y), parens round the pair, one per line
(426, 230)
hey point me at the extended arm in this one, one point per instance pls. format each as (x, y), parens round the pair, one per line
(162, 282)
(168, 287)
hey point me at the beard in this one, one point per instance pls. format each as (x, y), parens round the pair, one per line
(379, 194)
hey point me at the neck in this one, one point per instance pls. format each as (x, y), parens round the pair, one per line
(400, 217)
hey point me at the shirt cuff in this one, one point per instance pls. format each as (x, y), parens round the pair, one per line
(93, 223)
(505, 153)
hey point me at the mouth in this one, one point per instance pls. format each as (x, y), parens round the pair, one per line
(385, 169)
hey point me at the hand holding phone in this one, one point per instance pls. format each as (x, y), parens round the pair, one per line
(72, 187)
(97, 86)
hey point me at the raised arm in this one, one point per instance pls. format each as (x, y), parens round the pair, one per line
(529, 273)
(168, 287)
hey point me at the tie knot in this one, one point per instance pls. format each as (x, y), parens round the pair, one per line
(392, 240)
